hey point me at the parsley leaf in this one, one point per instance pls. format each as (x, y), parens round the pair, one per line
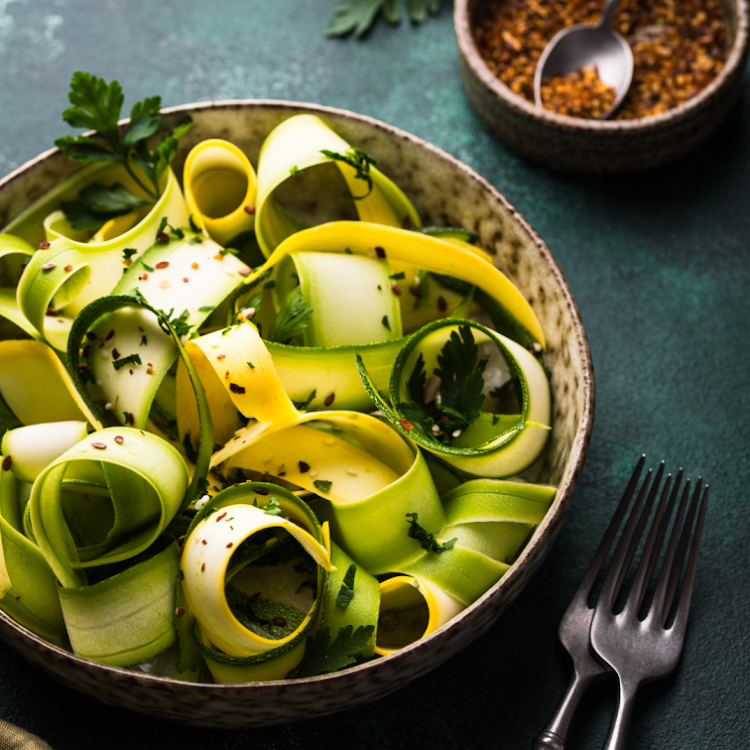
(292, 320)
(323, 485)
(129, 252)
(346, 592)
(359, 15)
(425, 538)
(97, 105)
(459, 400)
(303, 405)
(360, 161)
(323, 656)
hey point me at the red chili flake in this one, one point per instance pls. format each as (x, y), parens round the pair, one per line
(329, 399)
(303, 467)
(115, 354)
(163, 238)
(162, 264)
(203, 567)
(68, 269)
(221, 516)
(7, 463)
(194, 266)
(260, 491)
(179, 612)
(86, 351)
(250, 209)
(17, 598)
(186, 279)
(110, 334)
(292, 673)
(245, 271)
(43, 245)
(226, 374)
(131, 419)
(396, 289)
(51, 313)
(415, 291)
(48, 266)
(406, 223)
(119, 439)
(230, 545)
(205, 542)
(145, 277)
(90, 335)
(141, 431)
(406, 424)
(279, 621)
(380, 251)
(99, 446)
(442, 304)
(236, 388)
(221, 356)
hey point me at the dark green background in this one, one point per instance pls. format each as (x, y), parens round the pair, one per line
(658, 264)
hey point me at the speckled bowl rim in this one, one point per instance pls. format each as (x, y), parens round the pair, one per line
(663, 121)
(545, 532)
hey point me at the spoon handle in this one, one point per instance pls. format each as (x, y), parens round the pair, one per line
(608, 14)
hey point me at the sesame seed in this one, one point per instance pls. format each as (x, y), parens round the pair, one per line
(351, 472)
(200, 503)
(456, 433)
(313, 473)
(108, 406)
(164, 284)
(104, 353)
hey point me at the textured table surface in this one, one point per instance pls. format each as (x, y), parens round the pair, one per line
(659, 266)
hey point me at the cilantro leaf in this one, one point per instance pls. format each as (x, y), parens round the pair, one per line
(323, 656)
(360, 161)
(358, 15)
(96, 105)
(84, 149)
(145, 118)
(346, 592)
(112, 200)
(425, 538)
(292, 320)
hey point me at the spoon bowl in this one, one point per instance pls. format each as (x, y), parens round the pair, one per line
(585, 45)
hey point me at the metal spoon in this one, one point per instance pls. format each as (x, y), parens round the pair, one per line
(584, 45)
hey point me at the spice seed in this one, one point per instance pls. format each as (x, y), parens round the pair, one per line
(99, 446)
(163, 238)
(48, 266)
(250, 209)
(7, 463)
(396, 289)
(279, 621)
(43, 245)
(292, 673)
(236, 388)
(230, 545)
(329, 399)
(221, 516)
(203, 567)
(119, 439)
(261, 491)
(179, 612)
(68, 269)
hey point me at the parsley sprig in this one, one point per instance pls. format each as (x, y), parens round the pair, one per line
(459, 400)
(97, 105)
(359, 15)
(292, 320)
(323, 656)
(360, 161)
(426, 538)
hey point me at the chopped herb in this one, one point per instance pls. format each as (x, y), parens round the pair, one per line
(397, 276)
(131, 359)
(303, 405)
(323, 656)
(346, 592)
(425, 538)
(292, 320)
(272, 507)
(296, 170)
(197, 240)
(149, 268)
(207, 308)
(461, 384)
(144, 340)
(348, 251)
(193, 226)
(129, 252)
(97, 106)
(250, 365)
(385, 322)
(380, 289)
(192, 456)
(323, 485)
(179, 324)
(361, 163)
(177, 234)
(229, 251)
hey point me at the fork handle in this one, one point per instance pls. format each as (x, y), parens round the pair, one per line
(619, 729)
(553, 736)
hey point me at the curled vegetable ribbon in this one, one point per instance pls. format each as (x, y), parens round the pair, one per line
(14, 254)
(298, 144)
(70, 274)
(495, 445)
(235, 651)
(220, 189)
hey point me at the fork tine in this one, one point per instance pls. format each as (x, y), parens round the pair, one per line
(687, 585)
(609, 535)
(660, 605)
(628, 541)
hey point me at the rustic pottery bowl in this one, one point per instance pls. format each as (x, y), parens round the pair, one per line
(601, 146)
(445, 192)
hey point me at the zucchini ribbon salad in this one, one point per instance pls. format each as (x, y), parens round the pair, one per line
(256, 445)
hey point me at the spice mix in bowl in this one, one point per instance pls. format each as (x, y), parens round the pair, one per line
(688, 61)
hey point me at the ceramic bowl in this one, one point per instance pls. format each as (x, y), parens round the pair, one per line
(602, 146)
(445, 192)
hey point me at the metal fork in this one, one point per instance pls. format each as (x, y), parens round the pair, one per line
(576, 622)
(643, 650)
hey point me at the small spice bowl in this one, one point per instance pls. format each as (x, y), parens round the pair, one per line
(600, 146)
